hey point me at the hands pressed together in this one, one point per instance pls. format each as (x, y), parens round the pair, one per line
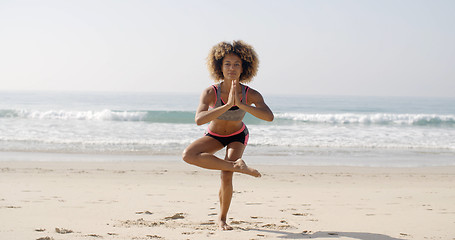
(234, 96)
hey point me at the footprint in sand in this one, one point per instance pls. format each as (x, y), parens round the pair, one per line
(300, 214)
(12, 207)
(94, 235)
(175, 216)
(153, 236)
(45, 238)
(146, 212)
(210, 222)
(63, 230)
(237, 222)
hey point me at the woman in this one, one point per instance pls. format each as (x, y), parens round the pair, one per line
(223, 106)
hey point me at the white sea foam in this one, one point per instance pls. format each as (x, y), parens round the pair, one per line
(106, 115)
(187, 117)
(373, 118)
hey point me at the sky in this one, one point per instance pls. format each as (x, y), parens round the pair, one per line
(351, 47)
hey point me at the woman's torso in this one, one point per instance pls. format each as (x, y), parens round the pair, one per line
(232, 120)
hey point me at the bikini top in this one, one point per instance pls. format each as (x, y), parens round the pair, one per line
(234, 113)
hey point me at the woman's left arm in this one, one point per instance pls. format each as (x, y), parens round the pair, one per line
(260, 108)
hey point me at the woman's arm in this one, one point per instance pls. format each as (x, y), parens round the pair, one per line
(203, 115)
(260, 109)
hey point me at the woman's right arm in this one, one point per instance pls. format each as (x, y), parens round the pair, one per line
(203, 115)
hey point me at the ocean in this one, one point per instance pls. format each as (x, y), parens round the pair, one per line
(307, 130)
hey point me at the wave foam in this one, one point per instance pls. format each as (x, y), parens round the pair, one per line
(281, 118)
(75, 115)
(377, 118)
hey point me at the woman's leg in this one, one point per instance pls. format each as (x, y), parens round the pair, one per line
(234, 152)
(225, 195)
(200, 153)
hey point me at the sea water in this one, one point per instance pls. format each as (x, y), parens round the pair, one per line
(311, 130)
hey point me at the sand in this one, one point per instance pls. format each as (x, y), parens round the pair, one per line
(173, 200)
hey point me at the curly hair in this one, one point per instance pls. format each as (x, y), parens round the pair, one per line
(250, 61)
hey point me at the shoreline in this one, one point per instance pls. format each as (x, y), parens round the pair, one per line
(393, 159)
(174, 200)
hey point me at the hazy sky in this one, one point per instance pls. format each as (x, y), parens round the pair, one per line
(359, 47)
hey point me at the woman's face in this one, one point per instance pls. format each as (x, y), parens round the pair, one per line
(231, 67)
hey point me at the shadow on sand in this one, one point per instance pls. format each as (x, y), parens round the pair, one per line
(329, 235)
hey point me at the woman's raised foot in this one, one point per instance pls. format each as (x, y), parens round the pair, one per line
(241, 167)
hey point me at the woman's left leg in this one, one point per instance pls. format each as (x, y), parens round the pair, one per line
(234, 152)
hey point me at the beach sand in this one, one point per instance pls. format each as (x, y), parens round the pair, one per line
(173, 200)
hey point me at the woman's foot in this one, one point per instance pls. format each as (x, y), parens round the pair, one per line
(224, 226)
(241, 167)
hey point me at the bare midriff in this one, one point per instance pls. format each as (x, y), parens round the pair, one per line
(224, 127)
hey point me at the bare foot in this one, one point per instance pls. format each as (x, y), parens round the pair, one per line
(241, 167)
(224, 226)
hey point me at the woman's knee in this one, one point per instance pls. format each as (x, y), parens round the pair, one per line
(234, 151)
(189, 156)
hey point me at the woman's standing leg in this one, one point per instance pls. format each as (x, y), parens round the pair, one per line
(234, 151)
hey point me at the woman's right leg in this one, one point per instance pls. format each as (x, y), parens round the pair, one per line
(200, 153)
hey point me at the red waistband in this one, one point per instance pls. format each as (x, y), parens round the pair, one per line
(232, 134)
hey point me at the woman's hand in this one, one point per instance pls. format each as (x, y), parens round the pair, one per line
(237, 100)
(232, 100)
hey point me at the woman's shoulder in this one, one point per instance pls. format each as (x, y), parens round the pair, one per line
(210, 89)
(252, 91)
(254, 96)
(209, 93)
